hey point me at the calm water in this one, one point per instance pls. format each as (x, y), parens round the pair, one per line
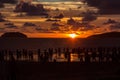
(56, 43)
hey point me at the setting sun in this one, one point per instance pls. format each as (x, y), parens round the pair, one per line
(73, 35)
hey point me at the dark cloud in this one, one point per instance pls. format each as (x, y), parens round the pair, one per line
(55, 28)
(110, 21)
(31, 9)
(11, 26)
(106, 6)
(28, 24)
(8, 1)
(115, 26)
(1, 29)
(89, 16)
(38, 29)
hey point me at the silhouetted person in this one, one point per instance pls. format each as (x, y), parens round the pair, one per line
(108, 55)
(59, 51)
(11, 66)
(115, 55)
(119, 54)
(41, 58)
(39, 54)
(56, 51)
(5, 54)
(1, 55)
(87, 57)
(30, 55)
(25, 54)
(100, 55)
(94, 56)
(11, 57)
(18, 54)
(54, 60)
(50, 52)
(80, 55)
(46, 56)
(73, 50)
(68, 54)
(65, 52)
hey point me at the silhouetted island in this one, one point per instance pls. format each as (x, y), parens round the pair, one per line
(106, 35)
(13, 35)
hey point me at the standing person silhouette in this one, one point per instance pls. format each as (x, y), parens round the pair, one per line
(68, 54)
(1, 55)
(39, 54)
(50, 52)
(12, 66)
(18, 54)
(46, 56)
(31, 55)
(87, 57)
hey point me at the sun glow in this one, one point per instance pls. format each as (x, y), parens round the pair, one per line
(73, 35)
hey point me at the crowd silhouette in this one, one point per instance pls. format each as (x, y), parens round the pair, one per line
(87, 55)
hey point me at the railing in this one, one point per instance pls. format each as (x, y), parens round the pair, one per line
(90, 55)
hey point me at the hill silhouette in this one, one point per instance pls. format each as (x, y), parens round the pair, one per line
(106, 35)
(13, 35)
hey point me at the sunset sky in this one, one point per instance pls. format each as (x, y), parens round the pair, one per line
(59, 29)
